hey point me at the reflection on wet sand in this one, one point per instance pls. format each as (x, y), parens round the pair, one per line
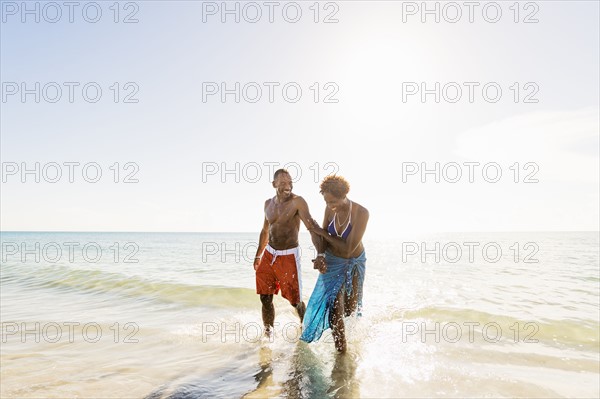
(343, 383)
(305, 376)
(264, 377)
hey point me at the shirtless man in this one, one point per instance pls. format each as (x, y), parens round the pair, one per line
(277, 261)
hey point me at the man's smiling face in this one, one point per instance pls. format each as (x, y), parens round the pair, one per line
(283, 185)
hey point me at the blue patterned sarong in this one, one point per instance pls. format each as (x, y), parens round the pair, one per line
(320, 305)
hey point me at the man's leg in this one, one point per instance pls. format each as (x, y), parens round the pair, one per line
(268, 313)
(337, 322)
(290, 281)
(301, 309)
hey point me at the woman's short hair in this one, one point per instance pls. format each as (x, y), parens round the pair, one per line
(335, 185)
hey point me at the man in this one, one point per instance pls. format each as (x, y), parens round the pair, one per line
(277, 261)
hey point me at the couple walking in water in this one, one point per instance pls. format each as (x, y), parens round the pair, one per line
(340, 259)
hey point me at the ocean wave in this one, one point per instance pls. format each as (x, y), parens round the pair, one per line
(572, 333)
(66, 279)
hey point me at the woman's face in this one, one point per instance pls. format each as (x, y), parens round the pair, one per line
(333, 202)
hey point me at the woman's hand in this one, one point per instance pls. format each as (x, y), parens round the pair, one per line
(319, 231)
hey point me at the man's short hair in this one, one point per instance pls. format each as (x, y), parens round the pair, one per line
(335, 185)
(279, 172)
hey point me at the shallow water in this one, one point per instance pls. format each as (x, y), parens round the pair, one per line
(184, 321)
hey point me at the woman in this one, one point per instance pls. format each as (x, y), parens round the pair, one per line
(341, 261)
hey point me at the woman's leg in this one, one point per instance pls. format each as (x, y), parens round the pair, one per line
(352, 301)
(337, 322)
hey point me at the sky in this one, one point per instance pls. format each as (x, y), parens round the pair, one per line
(504, 114)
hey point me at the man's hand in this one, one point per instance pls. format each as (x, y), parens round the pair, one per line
(320, 264)
(256, 263)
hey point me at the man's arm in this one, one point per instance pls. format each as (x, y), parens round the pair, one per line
(263, 240)
(308, 221)
(312, 225)
(321, 245)
(304, 214)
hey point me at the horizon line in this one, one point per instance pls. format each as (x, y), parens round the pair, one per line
(258, 231)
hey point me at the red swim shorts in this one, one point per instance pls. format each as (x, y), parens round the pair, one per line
(280, 269)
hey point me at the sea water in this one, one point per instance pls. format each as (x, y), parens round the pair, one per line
(175, 315)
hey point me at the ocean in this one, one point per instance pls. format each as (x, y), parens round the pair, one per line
(175, 315)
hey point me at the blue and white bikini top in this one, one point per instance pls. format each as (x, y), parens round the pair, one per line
(332, 230)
